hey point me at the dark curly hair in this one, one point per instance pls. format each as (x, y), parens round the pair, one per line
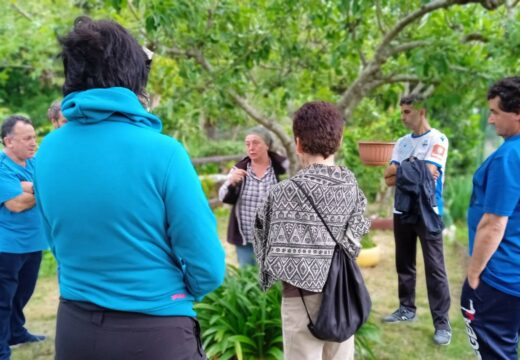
(102, 54)
(319, 126)
(508, 91)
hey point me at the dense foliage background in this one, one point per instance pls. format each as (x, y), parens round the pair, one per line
(222, 66)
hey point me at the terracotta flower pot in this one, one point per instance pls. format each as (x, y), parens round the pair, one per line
(382, 224)
(369, 257)
(375, 153)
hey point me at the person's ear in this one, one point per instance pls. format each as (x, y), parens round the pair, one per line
(298, 146)
(8, 141)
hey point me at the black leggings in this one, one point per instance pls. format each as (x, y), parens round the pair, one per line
(82, 334)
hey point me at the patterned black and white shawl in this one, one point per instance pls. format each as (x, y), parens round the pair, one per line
(291, 243)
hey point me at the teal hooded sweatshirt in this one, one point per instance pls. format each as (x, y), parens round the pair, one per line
(124, 210)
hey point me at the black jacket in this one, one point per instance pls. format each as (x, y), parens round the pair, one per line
(415, 195)
(234, 236)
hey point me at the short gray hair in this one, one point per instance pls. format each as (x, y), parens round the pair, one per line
(54, 110)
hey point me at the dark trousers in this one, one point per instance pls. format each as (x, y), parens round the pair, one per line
(18, 275)
(83, 334)
(436, 280)
(492, 321)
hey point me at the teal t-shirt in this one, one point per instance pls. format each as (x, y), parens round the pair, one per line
(19, 232)
(496, 190)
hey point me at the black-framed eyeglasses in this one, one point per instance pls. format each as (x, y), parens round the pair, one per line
(149, 55)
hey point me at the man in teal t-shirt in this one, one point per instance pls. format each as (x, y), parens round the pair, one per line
(21, 233)
(490, 297)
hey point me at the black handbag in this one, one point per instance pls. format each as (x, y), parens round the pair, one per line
(345, 304)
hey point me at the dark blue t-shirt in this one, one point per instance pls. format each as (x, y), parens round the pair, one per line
(19, 232)
(496, 190)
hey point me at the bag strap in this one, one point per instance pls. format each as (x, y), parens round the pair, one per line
(305, 306)
(309, 199)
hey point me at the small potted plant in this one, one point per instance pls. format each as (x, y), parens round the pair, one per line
(370, 253)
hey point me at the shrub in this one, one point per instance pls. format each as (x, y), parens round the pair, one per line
(367, 242)
(457, 195)
(366, 337)
(239, 321)
(210, 187)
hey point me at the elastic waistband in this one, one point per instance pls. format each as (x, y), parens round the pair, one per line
(121, 319)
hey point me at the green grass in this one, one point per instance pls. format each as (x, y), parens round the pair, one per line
(41, 319)
(48, 266)
(414, 340)
(399, 341)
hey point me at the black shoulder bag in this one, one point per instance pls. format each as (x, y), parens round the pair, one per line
(345, 303)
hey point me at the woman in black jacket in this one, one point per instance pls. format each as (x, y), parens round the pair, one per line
(246, 188)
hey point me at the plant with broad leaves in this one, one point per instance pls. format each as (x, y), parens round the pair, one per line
(240, 321)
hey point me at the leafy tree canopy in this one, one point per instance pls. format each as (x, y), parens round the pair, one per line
(223, 64)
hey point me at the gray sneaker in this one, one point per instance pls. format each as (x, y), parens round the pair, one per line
(400, 315)
(442, 337)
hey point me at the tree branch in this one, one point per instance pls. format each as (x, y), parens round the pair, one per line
(22, 11)
(355, 92)
(488, 4)
(389, 80)
(406, 47)
(353, 95)
(137, 17)
(407, 20)
(475, 37)
(379, 14)
(243, 103)
(422, 90)
(192, 54)
(133, 11)
(511, 11)
(362, 57)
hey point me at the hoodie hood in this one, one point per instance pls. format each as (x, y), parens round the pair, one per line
(108, 104)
